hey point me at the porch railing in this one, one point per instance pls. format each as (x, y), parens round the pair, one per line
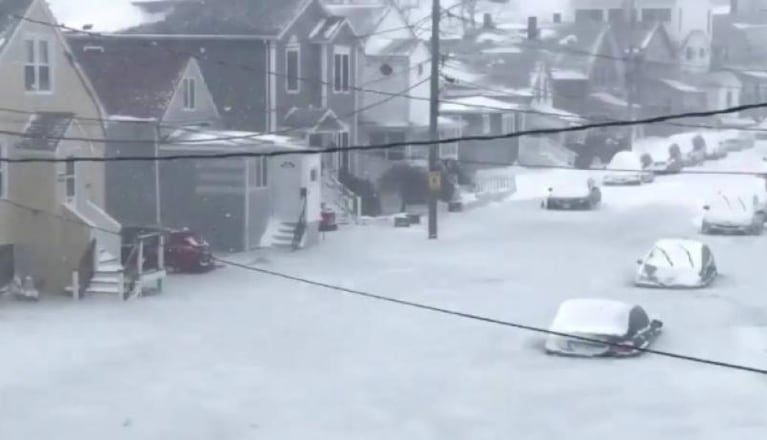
(86, 269)
(298, 233)
(349, 202)
(146, 256)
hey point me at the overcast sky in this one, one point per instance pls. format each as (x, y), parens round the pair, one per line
(109, 15)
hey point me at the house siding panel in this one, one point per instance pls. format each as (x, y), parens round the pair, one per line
(131, 186)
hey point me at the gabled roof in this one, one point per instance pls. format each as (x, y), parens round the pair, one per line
(363, 18)
(131, 81)
(642, 35)
(267, 18)
(9, 8)
(312, 119)
(571, 45)
(393, 47)
(45, 131)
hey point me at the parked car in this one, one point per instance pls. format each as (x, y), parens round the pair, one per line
(670, 163)
(732, 212)
(579, 193)
(626, 168)
(601, 328)
(677, 263)
(184, 250)
(691, 146)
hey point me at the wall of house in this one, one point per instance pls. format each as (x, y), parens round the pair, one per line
(419, 108)
(695, 55)
(383, 108)
(34, 185)
(131, 187)
(206, 196)
(344, 104)
(205, 110)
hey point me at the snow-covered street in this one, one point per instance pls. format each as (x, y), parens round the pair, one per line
(241, 355)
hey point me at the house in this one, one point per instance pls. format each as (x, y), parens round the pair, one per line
(242, 203)
(169, 110)
(394, 105)
(147, 94)
(688, 23)
(739, 47)
(52, 219)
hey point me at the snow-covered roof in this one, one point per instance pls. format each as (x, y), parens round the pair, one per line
(679, 85)
(625, 160)
(232, 139)
(609, 98)
(592, 316)
(759, 74)
(478, 104)
(566, 74)
(676, 252)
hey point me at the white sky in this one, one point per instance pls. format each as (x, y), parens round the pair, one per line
(104, 15)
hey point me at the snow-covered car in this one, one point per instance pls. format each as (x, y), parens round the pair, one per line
(579, 193)
(732, 212)
(601, 328)
(680, 263)
(626, 168)
(692, 147)
(731, 141)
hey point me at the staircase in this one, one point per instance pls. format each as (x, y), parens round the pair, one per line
(283, 236)
(108, 277)
(344, 202)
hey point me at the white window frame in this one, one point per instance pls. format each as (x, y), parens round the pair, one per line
(35, 63)
(290, 49)
(189, 86)
(3, 171)
(69, 178)
(486, 123)
(342, 81)
(259, 179)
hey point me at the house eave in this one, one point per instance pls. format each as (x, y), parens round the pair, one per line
(233, 37)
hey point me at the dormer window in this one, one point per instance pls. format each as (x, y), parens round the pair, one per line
(37, 65)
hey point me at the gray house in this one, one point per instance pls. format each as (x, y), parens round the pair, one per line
(147, 94)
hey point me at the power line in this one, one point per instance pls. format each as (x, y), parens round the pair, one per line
(474, 317)
(390, 145)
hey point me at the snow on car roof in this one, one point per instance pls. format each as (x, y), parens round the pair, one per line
(681, 252)
(625, 160)
(592, 316)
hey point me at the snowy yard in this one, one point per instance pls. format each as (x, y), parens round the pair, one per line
(241, 355)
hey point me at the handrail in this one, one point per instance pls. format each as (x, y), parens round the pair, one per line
(87, 268)
(351, 202)
(298, 233)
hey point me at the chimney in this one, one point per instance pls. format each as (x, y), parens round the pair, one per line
(557, 18)
(532, 28)
(487, 21)
(733, 7)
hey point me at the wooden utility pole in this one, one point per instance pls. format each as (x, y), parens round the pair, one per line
(434, 174)
(631, 68)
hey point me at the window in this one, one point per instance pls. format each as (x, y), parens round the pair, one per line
(37, 66)
(70, 180)
(448, 151)
(341, 69)
(651, 15)
(293, 68)
(689, 53)
(616, 15)
(586, 15)
(486, 123)
(258, 172)
(190, 97)
(3, 173)
(728, 99)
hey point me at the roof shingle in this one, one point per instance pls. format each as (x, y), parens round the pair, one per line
(45, 131)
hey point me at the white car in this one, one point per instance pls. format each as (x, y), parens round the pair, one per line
(578, 193)
(676, 262)
(733, 212)
(601, 328)
(626, 168)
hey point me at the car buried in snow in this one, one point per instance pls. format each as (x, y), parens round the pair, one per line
(601, 328)
(733, 213)
(577, 193)
(626, 168)
(677, 263)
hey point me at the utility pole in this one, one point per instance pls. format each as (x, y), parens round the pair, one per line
(631, 68)
(434, 174)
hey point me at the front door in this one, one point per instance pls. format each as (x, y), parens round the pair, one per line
(285, 184)
(344, 156)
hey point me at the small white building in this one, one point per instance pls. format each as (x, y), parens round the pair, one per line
(242, 203)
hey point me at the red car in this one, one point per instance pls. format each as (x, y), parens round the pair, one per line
(184, 250)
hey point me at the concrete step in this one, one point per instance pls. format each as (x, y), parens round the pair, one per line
(108, 286)
(105, 257)
(111, 277)
(283, 237)
(103, 290)
(109, 268)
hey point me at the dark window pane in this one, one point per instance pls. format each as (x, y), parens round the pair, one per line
(292, 69)
(346, 72)
(585, 15)
(29, 77)
(44, 78)
(337, 73)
